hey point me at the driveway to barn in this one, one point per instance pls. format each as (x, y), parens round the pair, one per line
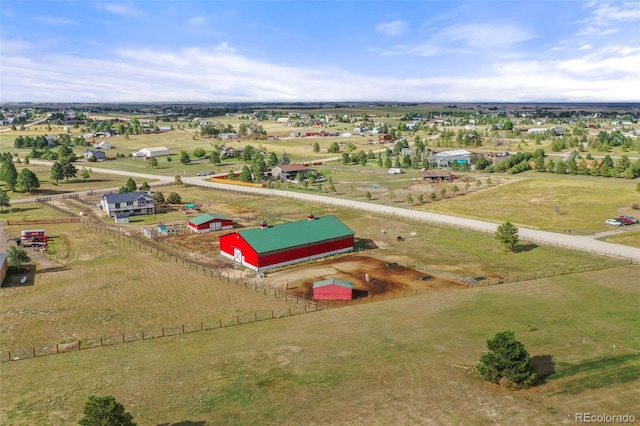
(576, 242)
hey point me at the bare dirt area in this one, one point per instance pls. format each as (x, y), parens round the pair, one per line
(384, 277)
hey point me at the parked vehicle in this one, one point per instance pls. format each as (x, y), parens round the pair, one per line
(613, 222)
(631, 218)
(625, 221)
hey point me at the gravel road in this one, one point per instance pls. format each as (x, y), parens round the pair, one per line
(575, 242)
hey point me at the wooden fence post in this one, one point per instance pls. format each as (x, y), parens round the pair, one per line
(101, 341)
(162, 331)
(34, 352)
(123, 338)
(182, 328)
(201, 326)
(79, 344)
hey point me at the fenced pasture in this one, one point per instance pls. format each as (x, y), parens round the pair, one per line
(379, 363)
(110, 285)
(576, 204)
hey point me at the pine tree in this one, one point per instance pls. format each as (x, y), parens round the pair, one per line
(507, 234)
(508, 363)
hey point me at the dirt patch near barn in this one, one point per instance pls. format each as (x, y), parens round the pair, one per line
(384, 277)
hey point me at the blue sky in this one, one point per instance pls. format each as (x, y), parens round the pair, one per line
(298, 51)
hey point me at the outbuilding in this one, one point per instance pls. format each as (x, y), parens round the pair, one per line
(333, 289)
(447, 158)
(158, 151)
(209, 222)
(269, 247)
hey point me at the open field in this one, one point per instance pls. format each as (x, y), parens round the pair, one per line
(124, 288)
(405, 361)
(627, 238)
(106, 286)
(578, 204)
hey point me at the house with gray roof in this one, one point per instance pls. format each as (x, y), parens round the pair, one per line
(131, 203)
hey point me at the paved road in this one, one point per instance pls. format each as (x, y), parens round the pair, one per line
(576, 242)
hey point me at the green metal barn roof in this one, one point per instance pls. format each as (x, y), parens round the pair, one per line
(335, 281)
(204, 218)
(293, 234)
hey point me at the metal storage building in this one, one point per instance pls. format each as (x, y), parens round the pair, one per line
(269, 247)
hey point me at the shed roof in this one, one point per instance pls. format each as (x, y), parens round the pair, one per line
(333, 281)
(155, 149)
(204, 218)
(293, 234)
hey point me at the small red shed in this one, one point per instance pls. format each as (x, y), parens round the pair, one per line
(332, 289)
(209, 222)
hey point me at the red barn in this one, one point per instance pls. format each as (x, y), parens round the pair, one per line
(332, 289)
(269, 247)
(209, 222)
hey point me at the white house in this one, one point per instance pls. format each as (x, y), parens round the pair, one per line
(157, 151)
(102, 145)
(131, 203)
(537, 131)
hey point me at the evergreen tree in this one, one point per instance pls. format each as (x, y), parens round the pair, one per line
(105, 411)
(57, 172)
(27, 181)
(8, 173)
(507, 234)
(245, 175)
(507, 363)
(5, 201)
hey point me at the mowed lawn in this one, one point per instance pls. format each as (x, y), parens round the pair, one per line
(403, 361)
(578, 204)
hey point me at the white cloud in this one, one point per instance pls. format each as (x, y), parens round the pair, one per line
(224, 47)
(603, 15)
(496, 37)
(585, 47)
(393, 28)
(220, 74)
(485, 36)
(120, 9)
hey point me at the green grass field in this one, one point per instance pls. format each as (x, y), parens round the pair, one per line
(405, 361)
(578, 204)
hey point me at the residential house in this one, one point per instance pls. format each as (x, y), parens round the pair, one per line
(285, 172)
(92, 153)
(133, 203)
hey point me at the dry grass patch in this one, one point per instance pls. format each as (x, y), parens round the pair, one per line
(405, 361)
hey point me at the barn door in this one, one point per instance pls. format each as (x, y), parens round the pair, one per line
(237, 256)
(216, 226)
